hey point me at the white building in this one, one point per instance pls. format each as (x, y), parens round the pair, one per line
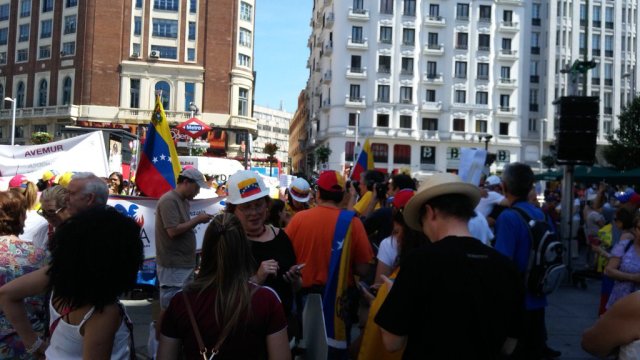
(424, 79)
(273, 127)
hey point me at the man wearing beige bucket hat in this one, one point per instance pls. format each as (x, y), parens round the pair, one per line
(455, 298)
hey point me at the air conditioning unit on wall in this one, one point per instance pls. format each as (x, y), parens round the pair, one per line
(154, 54)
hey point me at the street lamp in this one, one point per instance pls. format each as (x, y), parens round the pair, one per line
(355, 144)
(543, 123)
(486, 139)
(13, 119)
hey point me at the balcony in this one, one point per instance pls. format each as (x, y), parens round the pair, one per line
(508, 54)
(326, 104)
(328, 48)
(534, 107)
(329, 20)
(242, 122)
(506, 83)
(433, 78)
(355, 102)
(357, 43)
(509, 2)
(535, 50)
(358, 14)
(534, 79)
(505, 111)
(431, 107)
(356, 73)
(486, 20)
(433, 49)
(326, 78)
(462, 47)
(509, 26)
(47, 112)
(384, 70)
(483, 50)
(434, 20)
(536, 21)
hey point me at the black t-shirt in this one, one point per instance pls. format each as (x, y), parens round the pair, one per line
(455, 299)
(280, 250)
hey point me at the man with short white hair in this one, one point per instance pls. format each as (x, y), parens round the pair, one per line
(86, 191)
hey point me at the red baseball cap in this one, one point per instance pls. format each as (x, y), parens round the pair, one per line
(401, 198)
(17, 181)
(331, 180)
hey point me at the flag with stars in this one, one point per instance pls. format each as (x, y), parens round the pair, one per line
(159, 165)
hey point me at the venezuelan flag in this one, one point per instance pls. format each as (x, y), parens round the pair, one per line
(159, 166)
(363, 163)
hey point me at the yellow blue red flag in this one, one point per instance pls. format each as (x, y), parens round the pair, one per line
(363, 163)
(159, 166)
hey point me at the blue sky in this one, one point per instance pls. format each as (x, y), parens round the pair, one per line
(281, 34)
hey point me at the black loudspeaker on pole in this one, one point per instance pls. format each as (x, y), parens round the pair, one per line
(576, 129)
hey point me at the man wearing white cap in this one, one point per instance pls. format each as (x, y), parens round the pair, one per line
(455, 298)
(298, 196)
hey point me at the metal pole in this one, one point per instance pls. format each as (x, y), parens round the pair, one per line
(13, 121)
(355, 144)
(586, 42)
(566, 215)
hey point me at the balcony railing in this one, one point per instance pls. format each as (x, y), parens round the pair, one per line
(534, 79)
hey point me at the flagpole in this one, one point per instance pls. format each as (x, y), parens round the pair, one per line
(355, 144)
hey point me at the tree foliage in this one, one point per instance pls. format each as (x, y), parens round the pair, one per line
(624, 149)
(549, 161)
(41, 137)
(323, 153)
(270, 149)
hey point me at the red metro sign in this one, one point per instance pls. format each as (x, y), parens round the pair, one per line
(193, 128)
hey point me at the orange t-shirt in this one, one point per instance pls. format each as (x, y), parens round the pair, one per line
(311, 233)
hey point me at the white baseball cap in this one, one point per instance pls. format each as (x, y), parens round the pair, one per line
(245, 186)
(300, 190)
(493, 180)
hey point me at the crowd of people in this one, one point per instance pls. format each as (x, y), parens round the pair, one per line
(404, 270)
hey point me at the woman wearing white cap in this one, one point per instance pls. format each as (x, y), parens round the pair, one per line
(298, 196)
(249, 200)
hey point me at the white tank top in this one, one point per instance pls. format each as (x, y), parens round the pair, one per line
(66, 342)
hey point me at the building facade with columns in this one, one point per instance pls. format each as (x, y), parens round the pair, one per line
(100, 63)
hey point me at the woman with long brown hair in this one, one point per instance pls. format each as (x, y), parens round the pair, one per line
(232, 317)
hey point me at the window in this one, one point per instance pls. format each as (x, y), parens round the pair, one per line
(405, 121)
(458, 124)
(506, 45)
(191, 54)
(384, 64)
(348, 150)
(358, 6)
(4, 34)
(70, 24)
(429, 124)
(20, 95)
(3, 58)
(137, 25)
(69, 48)
(533, 125)
(461, 70)
(407, 66)
(134, 93)
(45, 28)
(166, 52)
(608, 45)
(167, 5)
(535, 42)
(481, 126)
(39, 128)
(402, 153)
(608, 17)
(243, 102)
(535, 14)
(72, 3)
(432, 70)
(165, 93)
(386, 6)
(192, 30)
(44, 52)
(193, 6)
(138, 4)
(380, 151)
(462, 40)
(165, 28)
(386, 34)
(43, 90)
(382, 120)
(23, 33)
(352, 119)
(409, 8)
(25, 8)
(503, 129)
(484, 42)
(597, 20)
(432, 40)
(460, 96)
(485, 13)
(408, 36)
(428, 155)
(462, 11)
(507, 17)
(136, 49)
(189, 95)
(23, 55)
(482, 98)
(406, 94)
(47, 5)
(505, 73)
(245, 37)
(354, 92)
(356, 35)
(4, 12)
(244, 60)
(504, 102)
(383, 93)
(246, 10)
(430, 95)
(608, 74)
(483, 71)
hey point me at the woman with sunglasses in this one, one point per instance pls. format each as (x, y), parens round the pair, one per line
(624, 262)
(53, 207)
(18, 257)
(249, 201)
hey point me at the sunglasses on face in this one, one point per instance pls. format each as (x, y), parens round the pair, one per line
(49, 213)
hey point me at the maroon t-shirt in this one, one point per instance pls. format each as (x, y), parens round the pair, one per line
(248, 342)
